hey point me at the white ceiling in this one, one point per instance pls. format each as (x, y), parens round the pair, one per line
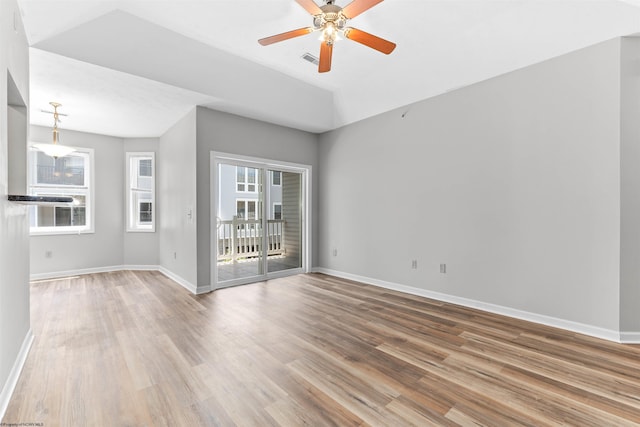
(133, 68)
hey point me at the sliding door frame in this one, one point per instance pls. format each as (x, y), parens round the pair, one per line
(264, 165)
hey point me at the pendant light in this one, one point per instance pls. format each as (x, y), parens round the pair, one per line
(55, 149)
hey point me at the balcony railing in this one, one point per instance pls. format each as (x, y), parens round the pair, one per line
(242, 239)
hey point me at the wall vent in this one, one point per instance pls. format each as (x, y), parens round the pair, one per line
(309, 57)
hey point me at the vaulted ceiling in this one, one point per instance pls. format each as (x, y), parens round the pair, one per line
(132, 68)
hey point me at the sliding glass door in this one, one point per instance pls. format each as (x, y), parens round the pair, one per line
(259, 225)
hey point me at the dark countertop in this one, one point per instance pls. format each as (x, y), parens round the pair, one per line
(40, 200)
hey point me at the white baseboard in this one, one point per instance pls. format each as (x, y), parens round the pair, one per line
(594, 331)
(176, 278)
(14, 375)
(80, 272)
(140, 267)
(630, 337)
(194, 289)
(70, 273)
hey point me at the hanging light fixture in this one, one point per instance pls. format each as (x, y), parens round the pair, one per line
(55, 149)
(331, 19)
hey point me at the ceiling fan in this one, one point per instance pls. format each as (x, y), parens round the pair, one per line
(331, 19)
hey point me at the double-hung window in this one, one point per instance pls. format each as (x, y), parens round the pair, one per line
(276, 178)
(65, 176)
(246, 180)
(140, 191)
(246, 209)
(277, 211)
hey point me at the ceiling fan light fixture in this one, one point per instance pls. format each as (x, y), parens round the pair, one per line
(330, 33)
(331, 19)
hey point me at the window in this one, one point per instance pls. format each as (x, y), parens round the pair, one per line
(246, 209)
(146, 212)
(277, 211)
(65, 176)
(246, 179)
(140, 192)
(276, 178)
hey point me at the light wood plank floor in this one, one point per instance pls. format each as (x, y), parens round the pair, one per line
(134, 348)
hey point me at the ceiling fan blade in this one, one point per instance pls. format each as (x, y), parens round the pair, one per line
(374, 42)
(326, 51)
(310, 6)
(356, 7)
(285, 36)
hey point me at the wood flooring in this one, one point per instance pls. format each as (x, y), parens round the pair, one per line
(136, 349)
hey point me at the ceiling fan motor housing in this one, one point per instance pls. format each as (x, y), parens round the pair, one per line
(330, 13)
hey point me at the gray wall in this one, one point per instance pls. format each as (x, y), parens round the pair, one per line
(513, 182)
(17, 134)
(14, 229)
(630, 187)
(176, 189)
(110, 245)
(233, 134)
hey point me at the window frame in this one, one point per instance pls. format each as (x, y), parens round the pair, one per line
(274, 210)
(245, 184)
(132, 220)
(87, 190)
(273, 178)
(246, 208)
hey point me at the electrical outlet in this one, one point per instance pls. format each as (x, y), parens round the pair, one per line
(48, 254)
(443, 268)
(334, 252)
(175, 255)
(414, 264)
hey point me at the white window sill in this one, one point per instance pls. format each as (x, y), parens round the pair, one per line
(76, 231)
